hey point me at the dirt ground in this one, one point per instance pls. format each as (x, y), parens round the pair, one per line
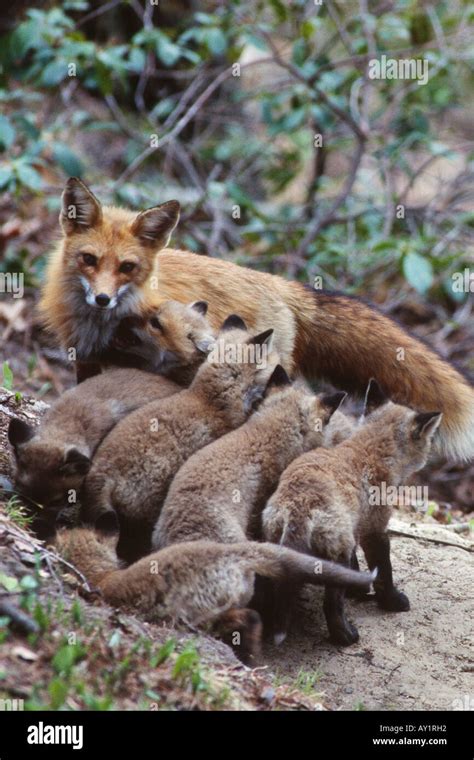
(419, 660)
(422, 659)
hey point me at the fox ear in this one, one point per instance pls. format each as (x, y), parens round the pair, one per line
(374, 397)
(199, 306)
(80, 209)
(154, 226)
(425, 424)
(19, 432)
(107, 523)
(332, 401)
(278, 378)
(233, 322)
(262, 339)
(75, 463)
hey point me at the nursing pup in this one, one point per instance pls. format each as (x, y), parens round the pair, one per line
(136, 463)
(326, 503)
(171, 340)
(53, 459)
(201, 583)
(220, 492)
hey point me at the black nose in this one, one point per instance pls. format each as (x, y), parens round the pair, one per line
(102, 299)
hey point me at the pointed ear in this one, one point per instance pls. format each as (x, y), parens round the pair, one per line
(19, 432)
(233, 322)
(374, 397)
(278, 378)
(199, 306)
(107, 523)
(263, 339)
(425, 424)
(154, 226)
(80, 209)
(332, 401)
(75, 463)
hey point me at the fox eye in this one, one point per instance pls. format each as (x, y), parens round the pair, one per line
(127, 266)
(89, 259)
(155, 322)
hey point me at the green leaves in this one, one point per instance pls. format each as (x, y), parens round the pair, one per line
(66, 657)
(418, 272)
(28, 176)
(7, 381)
(68, 160)
(7, 132)
(8, 582)
(54, 73)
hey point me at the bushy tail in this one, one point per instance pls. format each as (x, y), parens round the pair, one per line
(347, 341)
(281, 563)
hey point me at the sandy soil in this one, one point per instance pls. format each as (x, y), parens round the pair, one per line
(417, 660)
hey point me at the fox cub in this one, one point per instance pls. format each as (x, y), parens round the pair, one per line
(201, 583)
(172, 340)
(136, 463)
(326, 504)
(219, 492)
(53, 459)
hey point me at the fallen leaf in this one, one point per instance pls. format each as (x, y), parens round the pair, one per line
(8, 582)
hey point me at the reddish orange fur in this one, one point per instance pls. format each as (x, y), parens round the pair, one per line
(318, 334)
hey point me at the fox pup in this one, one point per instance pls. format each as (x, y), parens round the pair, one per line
(201, 583)
(219, 492)
(54, 458)
(172, 340)
(111, 262)
(133, 478)
(326, 503)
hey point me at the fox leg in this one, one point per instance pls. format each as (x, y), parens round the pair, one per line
(376, 548)
(284, 596)
(341, 631)
(354, 593)
(242, 630)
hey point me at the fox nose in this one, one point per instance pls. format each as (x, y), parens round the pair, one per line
(102, 299)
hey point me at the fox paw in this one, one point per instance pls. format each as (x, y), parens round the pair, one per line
(394, 601)
(345, 636)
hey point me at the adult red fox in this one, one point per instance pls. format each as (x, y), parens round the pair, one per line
(111, 263)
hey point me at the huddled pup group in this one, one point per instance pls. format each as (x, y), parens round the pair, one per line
(214, 469)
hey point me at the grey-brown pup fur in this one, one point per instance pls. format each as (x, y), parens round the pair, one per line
(136, 463)
(221, 490)
(324, 503)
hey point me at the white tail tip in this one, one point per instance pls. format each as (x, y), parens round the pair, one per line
(279, 638)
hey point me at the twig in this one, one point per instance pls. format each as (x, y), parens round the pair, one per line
(22, 622)
(98, 12)
(433, 539)
(318, 224)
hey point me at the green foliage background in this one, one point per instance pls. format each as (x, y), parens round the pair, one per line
(142, 70)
